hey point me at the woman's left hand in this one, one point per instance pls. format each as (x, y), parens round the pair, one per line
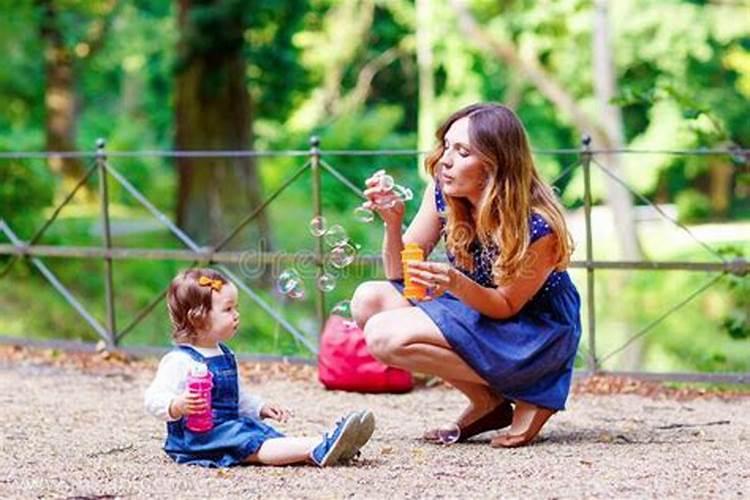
(274, 412)
(436, 277)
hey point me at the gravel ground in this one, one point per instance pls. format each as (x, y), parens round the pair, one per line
(75, 432)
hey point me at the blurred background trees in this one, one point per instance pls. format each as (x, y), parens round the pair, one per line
(374, 74)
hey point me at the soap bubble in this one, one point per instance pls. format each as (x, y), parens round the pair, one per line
(389, 200)
(364, 214)
(343, 309)
(336, 236)
(318, 226)
(288, 280)
(402, 192)
(450, 435)
(341, 256)
(326, 282)
(298, 292)
(386, 202)
(740, 157)
(386, 182)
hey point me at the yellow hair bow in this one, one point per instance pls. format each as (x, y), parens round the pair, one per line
(206, 281)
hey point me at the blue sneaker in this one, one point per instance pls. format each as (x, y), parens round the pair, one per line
(341, 440)
(366, 426)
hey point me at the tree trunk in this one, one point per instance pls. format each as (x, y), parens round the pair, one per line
(605, 84)
(213, 112)
(721, 174)
(618, 196)
(59, 95)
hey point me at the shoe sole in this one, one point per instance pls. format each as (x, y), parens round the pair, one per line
(346, 440)
(365, 429)
(498, 418)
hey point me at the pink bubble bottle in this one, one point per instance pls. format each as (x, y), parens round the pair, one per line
(200, 381)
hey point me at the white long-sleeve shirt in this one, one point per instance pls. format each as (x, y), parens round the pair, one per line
(170, 382)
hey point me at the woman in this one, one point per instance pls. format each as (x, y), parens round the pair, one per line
(502, 322)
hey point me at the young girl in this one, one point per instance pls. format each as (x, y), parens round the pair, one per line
(502, 324)
(203, 309)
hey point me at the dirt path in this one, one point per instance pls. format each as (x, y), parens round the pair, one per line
(67, 432)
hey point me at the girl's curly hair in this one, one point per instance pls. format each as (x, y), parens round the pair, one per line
(189, 303)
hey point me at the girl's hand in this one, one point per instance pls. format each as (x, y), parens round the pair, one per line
(383, 200)
(274, 412)
(187, 403)
(436, 277)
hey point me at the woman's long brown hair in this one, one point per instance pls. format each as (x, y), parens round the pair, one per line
(513, 193)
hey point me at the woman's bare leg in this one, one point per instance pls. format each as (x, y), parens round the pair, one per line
(481, 400)
(528, 420)
(407, 338)
(372, 297)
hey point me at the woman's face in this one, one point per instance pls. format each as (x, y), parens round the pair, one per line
(461, 174)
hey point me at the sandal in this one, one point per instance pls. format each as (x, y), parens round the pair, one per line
(497, 418)
(528, 420)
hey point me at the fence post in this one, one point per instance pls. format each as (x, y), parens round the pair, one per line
(101, 160)
(591, 362)
(317, 212)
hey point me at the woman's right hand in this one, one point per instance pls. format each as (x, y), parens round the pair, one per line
(383, 201)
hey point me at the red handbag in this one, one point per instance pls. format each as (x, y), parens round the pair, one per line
(345, 364)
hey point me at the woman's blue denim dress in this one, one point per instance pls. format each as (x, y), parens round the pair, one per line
(529, 356)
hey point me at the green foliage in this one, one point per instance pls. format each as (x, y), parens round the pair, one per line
(737, 320)
(683, 84)
(26, 189)
(689, 339)
(21, 75)
(693, 338)
(692, 206)
(31, 308)
(363, 131)
(262, 30)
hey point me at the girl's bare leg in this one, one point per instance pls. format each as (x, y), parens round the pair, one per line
(284, 451)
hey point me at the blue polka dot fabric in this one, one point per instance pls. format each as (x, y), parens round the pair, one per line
(484, 257)
(528, 356)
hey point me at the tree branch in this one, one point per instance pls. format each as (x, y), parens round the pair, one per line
(533, 71)
(361, 90)
(100, 28)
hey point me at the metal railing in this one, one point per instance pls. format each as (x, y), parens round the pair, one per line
(220, 258)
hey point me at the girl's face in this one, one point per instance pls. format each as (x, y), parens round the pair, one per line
(461, 174)
(223, 319)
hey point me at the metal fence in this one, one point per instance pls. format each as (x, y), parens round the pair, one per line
(216, 255)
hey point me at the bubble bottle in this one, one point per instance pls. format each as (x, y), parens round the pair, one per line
(200, 381)
(412, 252)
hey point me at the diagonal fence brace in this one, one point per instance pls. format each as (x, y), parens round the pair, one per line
(184, 238)
(57, 284)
